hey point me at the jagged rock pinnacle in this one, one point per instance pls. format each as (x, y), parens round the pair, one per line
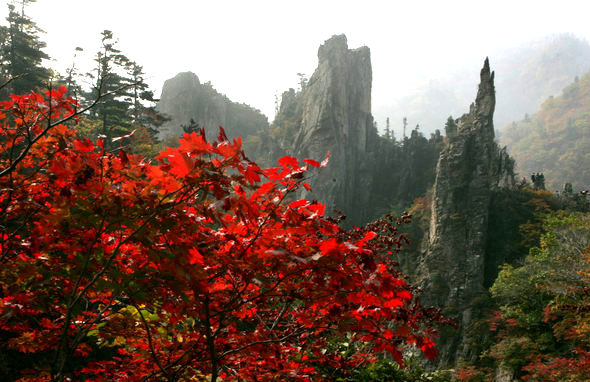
(336, 45)
(452, 268)
(485, 101)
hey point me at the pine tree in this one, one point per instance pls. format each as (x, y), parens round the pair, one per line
(405, 121)
(113, 112)
(21, 52)
(70, 80)
(388, 132)
(143, 108)
(450, 127)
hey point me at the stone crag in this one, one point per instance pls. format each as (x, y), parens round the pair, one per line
(332, 114)
(367, 174)
(335, 117)
(185, 98)
(470, 167)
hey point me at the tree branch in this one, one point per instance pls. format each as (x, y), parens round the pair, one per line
(150, 343)
(50, 125)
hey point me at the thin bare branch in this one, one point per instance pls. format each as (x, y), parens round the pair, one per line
(150, 343)
(12, 79)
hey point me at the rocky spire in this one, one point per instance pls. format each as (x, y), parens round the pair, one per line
(335, 116)
(486, 93)
(451, 271)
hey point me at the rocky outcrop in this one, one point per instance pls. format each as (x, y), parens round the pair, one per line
(367, 175)
(470, 167)
(184, 98)
(332, 114)
(335, 115)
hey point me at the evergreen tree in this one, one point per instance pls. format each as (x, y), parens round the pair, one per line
(388, 134)
(127, 104)
(450, 127)
(21, 52)
(113, 112)
(143, 108)
(70, 79)
(405, 121)
(192, 126)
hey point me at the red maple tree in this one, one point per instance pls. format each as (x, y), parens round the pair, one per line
(197, 265)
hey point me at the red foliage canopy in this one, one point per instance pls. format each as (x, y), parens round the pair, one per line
(116, 268)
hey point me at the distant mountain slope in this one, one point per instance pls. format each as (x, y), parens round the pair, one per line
(525, 77)
(556, 140)
(531, 74)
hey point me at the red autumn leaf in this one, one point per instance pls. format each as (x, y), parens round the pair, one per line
(195, 257)
(429, 349)
(313, 163)
(193, 143)
(393, 303)
(83, 145)
(298, 203)
(123, 157)
(180, 164)
(288, 161)
(252, 173)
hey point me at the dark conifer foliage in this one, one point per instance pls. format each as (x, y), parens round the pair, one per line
(127, 105)
(21, 52)
(108, 76)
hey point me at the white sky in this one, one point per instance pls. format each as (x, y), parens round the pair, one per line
(252, 50)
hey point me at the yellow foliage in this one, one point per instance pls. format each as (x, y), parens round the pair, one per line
(25, 343)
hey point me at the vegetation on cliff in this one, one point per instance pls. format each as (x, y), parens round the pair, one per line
(540, 329)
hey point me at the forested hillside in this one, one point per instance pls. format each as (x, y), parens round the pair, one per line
(556, 140)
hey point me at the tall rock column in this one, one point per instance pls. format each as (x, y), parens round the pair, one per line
(451, 271)
(335, 116)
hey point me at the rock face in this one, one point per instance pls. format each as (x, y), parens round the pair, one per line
(470, 167)
(367, 175)
(332, 114)
(184, 99)
(336, 117)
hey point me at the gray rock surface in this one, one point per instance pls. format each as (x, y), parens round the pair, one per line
(184, 98)
(471, 165)
(333, 115)
(367, 175)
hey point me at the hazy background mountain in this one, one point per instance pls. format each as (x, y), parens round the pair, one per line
(556, 140)
(525, 76)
